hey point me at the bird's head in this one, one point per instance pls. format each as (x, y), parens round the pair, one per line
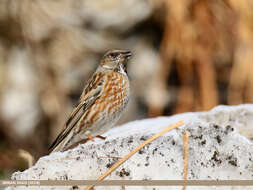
(116, 60)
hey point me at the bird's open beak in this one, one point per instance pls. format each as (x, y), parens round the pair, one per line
(127, 54)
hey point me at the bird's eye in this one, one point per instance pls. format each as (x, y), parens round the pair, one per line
(113, 55)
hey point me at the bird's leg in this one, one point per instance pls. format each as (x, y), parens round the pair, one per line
(77, 143)
(91, 138)
(101, 137)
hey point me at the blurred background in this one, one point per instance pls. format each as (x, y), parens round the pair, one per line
(189, 55)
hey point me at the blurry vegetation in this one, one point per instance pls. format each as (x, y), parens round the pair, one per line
(189, 55)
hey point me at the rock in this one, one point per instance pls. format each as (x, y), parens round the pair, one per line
(216, 151)
(113, 14)
(19, 104)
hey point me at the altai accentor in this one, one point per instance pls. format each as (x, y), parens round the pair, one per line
(101, 104)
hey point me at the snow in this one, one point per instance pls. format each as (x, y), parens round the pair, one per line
(219, 148)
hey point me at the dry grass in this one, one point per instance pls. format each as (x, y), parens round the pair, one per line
(27, 157)
(186, 155)
(210, 44)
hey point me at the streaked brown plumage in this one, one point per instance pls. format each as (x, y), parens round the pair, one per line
(101, 104)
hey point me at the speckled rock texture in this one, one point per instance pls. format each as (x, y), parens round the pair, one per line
(216, 151)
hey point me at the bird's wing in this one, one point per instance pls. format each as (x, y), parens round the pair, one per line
(91, 93)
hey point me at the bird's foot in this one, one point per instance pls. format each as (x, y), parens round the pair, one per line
(90, 138)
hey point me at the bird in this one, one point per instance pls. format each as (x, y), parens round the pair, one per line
(101, 104)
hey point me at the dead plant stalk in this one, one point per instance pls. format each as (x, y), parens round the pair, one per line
(120, 162)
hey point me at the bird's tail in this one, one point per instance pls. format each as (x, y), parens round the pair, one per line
(59, 147)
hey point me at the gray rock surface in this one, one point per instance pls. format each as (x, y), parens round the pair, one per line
(216, 151)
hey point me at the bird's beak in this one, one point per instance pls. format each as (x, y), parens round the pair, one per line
(127, 54)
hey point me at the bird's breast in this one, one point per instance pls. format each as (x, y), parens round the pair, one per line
(114, 98)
